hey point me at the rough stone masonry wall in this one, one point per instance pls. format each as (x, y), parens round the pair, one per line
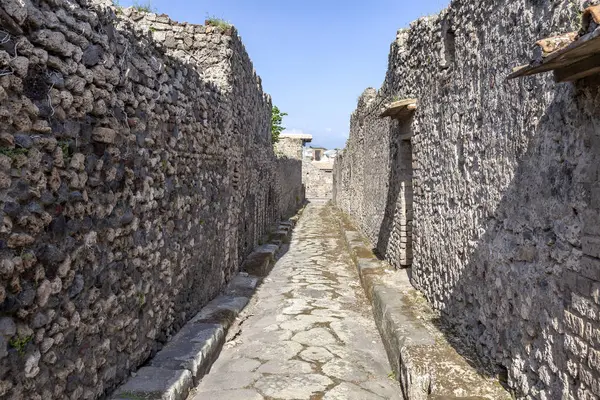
(506, 195)
(289, 186)
(318, 183)
(136, 171)
(290, 147)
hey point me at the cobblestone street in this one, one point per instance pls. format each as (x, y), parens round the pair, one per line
(308, 332)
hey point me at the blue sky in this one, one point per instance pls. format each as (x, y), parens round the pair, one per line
(315, 57)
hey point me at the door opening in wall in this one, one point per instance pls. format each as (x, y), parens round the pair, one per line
(394, 242)
(405, 203)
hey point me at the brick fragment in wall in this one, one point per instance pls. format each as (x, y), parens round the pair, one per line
(504, 183)
(135, 178)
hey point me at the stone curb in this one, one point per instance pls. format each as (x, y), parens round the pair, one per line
(421, 357)
(189, 355)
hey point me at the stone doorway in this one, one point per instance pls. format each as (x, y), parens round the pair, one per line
(394, 242)
(405, 202)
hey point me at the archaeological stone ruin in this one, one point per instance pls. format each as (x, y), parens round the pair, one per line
(450, 251)
(137, 172)
(488, 188)
(317, 173)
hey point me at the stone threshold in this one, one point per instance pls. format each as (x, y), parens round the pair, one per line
(188, 356)
(429, 363)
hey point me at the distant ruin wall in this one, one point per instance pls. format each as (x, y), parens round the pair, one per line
(290, 147)
(289, 185)
(502, 178)
(136, 172)
(318, 182)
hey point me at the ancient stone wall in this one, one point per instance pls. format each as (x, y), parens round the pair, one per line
(505, 209)
(290, 147)
(318, 182)
(289, 185)
(136, 172)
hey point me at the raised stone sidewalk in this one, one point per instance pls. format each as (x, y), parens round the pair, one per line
(429, 362)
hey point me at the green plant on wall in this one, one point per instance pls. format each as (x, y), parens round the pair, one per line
(12, 153)
(144, 7)
(20, 343)
(217, 22)
(141, 299)
(276, 120)
(576, 12)
(64, 146)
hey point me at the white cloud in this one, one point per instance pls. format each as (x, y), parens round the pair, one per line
(294, 131)
(328, 130)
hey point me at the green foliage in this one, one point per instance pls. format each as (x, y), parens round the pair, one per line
(20, 343)
(577, 14)
(217, 22)
(276, 120)
(146, 7)
(141, 299)
(64, 146)
(12, 153)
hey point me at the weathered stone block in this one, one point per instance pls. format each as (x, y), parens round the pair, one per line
(574, 323)
(104, 135)
(194, 348)
(156, 383)
(590, 268)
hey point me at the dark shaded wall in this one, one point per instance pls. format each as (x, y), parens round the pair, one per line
(505, 177)
(136, 171)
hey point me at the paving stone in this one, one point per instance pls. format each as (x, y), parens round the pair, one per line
(284, 350)
(285, 367)
(314, 336)
(276, 334)
(311, 293)
(344, 370)
(305, 322)
(349, 391)
(297, 306)
(331, 309)
(298, 386)
(237, 365)
(230, 380)
(316, 354)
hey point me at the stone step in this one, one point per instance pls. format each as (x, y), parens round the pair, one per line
(259, 263)
(429, 363)
(156, 383)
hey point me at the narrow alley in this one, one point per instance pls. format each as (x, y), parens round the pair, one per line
(308, 332)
